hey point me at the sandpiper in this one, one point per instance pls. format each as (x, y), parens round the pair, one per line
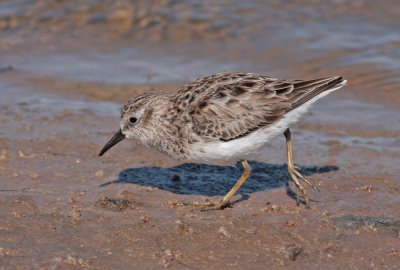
(222, 119)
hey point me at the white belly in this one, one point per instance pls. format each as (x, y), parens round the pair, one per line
(228, 153)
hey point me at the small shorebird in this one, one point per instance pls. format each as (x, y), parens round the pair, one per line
(221, 119)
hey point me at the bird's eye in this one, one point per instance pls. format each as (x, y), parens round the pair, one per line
(133, 120)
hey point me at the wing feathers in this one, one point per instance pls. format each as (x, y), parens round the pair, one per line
(229, 105)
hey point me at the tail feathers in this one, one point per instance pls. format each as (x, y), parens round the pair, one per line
(306, 90)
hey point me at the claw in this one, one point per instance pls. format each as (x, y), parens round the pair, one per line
(300, 191)
(190, 203)
(295, 171)
(297, 196)
(206, 205)
(216, 206)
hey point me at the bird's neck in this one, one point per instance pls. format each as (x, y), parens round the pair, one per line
(164, 133)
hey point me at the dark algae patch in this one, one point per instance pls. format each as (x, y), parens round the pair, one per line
(116, 204)
(355, 222)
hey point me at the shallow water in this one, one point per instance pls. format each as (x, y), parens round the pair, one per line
(174, 41)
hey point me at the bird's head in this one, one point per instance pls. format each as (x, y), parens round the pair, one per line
(137, 120)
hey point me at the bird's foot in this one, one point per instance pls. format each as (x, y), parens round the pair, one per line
(300, 190)
(191, 203)
(216, 206)
(296, 170)
(206, 205)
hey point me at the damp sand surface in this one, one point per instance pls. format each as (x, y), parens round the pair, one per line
(63, 207)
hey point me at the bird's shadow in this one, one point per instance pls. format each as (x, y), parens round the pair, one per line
(208, 180)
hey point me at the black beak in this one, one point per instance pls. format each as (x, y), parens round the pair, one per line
(113, 141)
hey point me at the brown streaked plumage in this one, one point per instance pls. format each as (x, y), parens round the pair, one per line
(222, 118)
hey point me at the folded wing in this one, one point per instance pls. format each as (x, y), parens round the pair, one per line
(230, 105)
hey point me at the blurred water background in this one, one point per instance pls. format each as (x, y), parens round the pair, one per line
(162, 42)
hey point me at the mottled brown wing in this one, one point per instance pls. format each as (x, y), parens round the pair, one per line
(229, 105)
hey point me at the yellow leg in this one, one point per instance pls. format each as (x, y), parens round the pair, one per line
(294, 173)
(226, 200)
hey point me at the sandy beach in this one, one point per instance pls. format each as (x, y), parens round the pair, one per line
(65, 71)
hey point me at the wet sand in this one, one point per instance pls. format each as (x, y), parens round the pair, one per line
(63, 207)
